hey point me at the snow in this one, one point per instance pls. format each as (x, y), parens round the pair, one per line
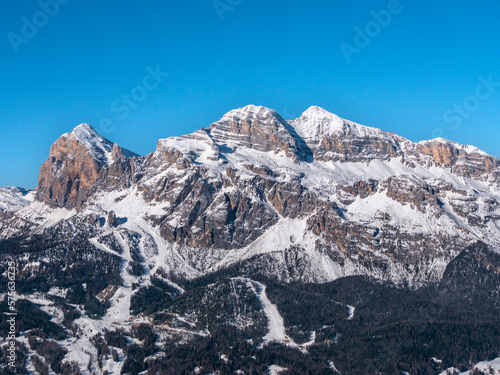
(312, 340)
(94, 241)
(226, 131)
(44, 215)
(324, 177)
(197, 146)
(276, 325)
(350, 314)
(285, 233)
(118, 315)
(249, 112)
(58, 292)
(316, 123)
(13, 198)
(275, 369)
(483, 366)
(332, 366)
(99, 147)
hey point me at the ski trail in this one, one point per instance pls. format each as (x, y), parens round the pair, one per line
(276, 325)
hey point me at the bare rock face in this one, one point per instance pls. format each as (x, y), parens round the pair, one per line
(362, 188)
(76, 161)
(202, 214)
(68, 174)
(418, 195)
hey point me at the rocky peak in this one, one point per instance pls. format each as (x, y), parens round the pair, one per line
(316, 123)
(331, 138)
(258, 128)
(98, 147)
(462, 160)
(76, 159)
(251, 111)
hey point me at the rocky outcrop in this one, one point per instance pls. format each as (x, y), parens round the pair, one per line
(206, 214)
(362, 188)
(112, 221)
(417, 194)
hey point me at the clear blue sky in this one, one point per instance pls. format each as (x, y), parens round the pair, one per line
(285, 55)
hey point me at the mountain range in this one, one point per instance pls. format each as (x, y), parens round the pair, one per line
(270, 245)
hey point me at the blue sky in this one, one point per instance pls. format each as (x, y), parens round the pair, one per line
(421, 69)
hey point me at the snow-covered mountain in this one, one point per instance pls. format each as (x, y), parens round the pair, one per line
(343, 198)
(308, 200)
(12, 198)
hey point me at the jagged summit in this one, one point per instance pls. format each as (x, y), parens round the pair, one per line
(331, 137)
(84, 127)
(86, 134)
(249, 114)
(99, 147)
(76, 161)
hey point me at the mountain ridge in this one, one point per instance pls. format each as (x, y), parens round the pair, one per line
(315, 135)
(252, 223)
(361, 200)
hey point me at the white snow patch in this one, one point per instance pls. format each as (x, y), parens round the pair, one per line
(332, 366)
(483, 366)
(276, 326)
(275, 369)
(13, 198)
(350, 314)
